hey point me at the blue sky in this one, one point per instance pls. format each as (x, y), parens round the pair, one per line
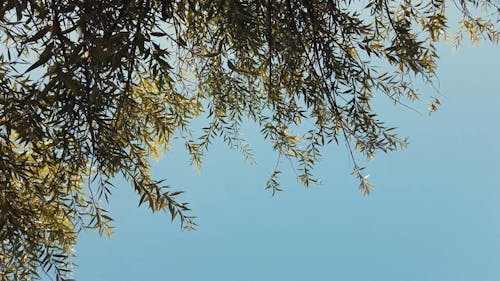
(434, 213)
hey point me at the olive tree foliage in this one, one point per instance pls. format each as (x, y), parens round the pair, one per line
(90, 90)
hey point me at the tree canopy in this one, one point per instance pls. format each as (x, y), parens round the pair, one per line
(92, 90)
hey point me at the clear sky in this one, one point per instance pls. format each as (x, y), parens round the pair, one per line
(434, 213)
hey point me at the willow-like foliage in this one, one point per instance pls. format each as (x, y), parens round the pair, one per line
(91, 90)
